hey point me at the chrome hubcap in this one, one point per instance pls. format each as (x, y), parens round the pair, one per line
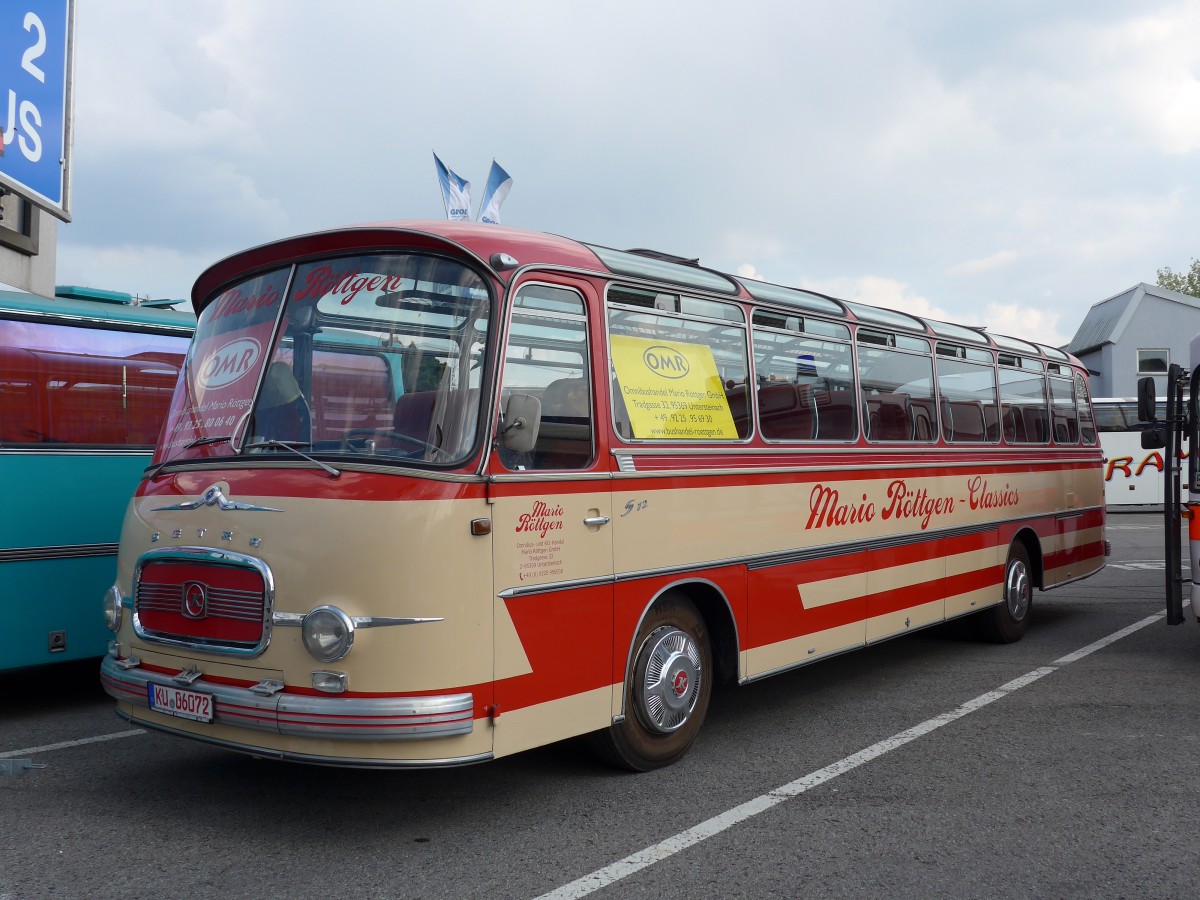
(1017, 589)
(669, 675)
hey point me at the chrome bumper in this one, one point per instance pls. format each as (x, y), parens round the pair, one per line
(336, 717)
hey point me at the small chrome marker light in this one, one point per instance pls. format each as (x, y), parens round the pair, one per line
(330, 682)
(113, 609)
(328, 633)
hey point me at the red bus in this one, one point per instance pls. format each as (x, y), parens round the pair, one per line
(431, 493)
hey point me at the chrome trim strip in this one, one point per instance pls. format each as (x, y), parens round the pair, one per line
(901, 466)
(207, 555)
(62, 551)
(1058, 584)
(386, 621)
(333, 716)
(296, 620)
(554, 587)
(145, 450)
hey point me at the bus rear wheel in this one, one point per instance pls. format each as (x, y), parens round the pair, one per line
(667, 689)
(1008, 620)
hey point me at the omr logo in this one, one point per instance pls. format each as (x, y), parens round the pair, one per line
(666, 362)
(229, 363)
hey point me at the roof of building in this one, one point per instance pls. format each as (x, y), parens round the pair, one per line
(1106, 320)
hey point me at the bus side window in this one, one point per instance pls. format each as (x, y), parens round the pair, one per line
(547, 358)
(1025, 414)
(967, 388)
(62, 384)
(1064, 415)
(1087, 424)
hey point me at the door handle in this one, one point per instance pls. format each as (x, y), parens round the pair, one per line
(596, 521)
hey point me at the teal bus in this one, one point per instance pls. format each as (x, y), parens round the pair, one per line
(85, 381)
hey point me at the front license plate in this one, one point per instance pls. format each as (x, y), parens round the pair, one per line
(177, 702)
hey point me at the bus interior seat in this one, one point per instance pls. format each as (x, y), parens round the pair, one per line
(737, 400)
(1013, 425)
(962, 420)
(620, 412)
(1035, 424)
(787, 412)
(888, 418)
(836, 414)
(282, 412)
(565, 435)
(923, 420)
(437, 418)
(413, 415)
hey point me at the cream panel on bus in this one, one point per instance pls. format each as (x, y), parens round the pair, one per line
(533, 726)
(551, 538)
(882, 582)
(787, 654)
(682, 526)
(370, 558)
(974, 561)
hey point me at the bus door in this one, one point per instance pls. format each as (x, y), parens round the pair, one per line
(551, 531)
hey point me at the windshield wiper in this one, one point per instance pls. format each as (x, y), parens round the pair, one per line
(294, 447)
(198, 442)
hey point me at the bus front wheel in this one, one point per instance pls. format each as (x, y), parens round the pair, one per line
(667, 689)
(1008, 620)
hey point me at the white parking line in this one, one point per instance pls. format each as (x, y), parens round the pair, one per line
(635, 862)
(62, 745)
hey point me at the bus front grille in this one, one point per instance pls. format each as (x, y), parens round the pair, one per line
(199, 604)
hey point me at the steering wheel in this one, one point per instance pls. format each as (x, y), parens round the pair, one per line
(366, 433)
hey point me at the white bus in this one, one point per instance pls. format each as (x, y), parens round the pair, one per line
(1132, 476)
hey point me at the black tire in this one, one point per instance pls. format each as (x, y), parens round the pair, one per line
(667, 689)
(1008, 620)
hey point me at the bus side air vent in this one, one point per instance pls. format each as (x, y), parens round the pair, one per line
(645, 299)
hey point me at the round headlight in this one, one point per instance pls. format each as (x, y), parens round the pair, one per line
(328, 633)
(113, 608)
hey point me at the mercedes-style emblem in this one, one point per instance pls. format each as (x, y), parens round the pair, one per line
(213, 496)
(195, 600)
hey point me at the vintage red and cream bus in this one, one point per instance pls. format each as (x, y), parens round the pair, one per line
(431, 493)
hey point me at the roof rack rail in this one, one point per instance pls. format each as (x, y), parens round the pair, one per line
(666, 257)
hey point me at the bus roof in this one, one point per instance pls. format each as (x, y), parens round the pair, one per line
(502, 249)
(18, 304)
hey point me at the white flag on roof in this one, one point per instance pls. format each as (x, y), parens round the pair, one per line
(499, 183)
(456, 192)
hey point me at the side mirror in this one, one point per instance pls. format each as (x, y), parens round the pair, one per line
(1153, 439)
(522, 419)
(1145, 401)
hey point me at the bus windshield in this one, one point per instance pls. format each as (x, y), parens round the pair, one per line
(373, 355)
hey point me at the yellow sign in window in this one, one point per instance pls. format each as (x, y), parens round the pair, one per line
(671, 389)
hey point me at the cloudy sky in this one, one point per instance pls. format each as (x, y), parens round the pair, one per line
(1005, 163)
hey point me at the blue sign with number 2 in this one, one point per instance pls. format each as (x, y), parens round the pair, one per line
(33, 99)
